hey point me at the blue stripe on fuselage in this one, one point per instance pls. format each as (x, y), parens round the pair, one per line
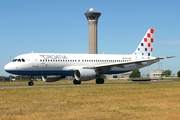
(45, 72)
(56, 72)
(115, 71)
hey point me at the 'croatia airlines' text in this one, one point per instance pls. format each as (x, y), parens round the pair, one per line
(52, 57)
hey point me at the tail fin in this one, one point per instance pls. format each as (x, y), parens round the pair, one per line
(145, 48)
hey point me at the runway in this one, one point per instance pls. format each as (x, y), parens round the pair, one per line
(91, 84)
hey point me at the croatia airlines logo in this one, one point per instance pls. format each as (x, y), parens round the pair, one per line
(52, 57)
(146, 46)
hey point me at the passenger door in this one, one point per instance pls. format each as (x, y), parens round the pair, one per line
(35, 61)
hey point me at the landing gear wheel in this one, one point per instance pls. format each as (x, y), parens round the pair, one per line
(76, 82)
(99, 81)
(30, 83)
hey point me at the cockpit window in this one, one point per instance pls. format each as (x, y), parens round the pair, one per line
(18, 60)
(14, 60)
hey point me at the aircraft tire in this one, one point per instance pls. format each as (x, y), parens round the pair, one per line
(30, 83)
(76, 82)
(99, 81)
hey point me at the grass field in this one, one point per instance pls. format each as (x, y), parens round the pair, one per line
(99, 102)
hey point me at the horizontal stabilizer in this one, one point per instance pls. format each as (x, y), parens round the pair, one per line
(166, 57)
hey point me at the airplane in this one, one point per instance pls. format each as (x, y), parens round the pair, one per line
(83, 67)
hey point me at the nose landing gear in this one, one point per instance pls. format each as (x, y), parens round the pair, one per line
(31, 83)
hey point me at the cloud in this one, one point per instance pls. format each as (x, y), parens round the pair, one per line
(172, 42)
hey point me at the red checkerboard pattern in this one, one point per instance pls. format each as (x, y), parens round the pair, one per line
(145, 48)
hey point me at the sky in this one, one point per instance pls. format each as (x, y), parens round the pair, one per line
(60, 26)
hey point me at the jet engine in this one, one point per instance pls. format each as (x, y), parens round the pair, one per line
(84, 74)
(52, 78)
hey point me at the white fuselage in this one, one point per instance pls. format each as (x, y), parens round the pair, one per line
(64, 64)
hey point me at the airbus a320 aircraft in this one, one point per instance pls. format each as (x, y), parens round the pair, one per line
(83, 67)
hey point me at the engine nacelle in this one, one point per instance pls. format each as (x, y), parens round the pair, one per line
(84, 74)
(52, 78)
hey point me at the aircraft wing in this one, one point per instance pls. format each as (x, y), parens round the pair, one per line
(121, 64)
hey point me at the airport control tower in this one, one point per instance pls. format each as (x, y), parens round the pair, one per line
(92, 18)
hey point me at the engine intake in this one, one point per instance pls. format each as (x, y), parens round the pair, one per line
(84, 74)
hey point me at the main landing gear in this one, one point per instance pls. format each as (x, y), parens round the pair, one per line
(76, 82)
(31, 83)
(98, 81)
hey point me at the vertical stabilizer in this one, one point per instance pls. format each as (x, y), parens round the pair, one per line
(145, 48)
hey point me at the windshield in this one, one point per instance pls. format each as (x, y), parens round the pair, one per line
(18, 60)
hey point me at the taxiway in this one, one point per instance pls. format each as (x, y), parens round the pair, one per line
(91, 84)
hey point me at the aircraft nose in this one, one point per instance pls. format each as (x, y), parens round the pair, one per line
(11, 68)
(7, 67)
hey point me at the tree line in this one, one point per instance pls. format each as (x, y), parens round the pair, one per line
(18, 78)
(166, 73)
